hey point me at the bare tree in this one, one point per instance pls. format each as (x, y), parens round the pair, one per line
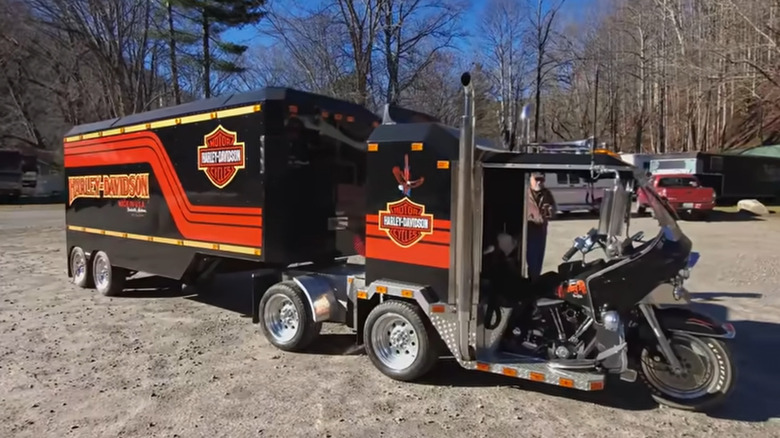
(540, 38)
(412, 33)
(507, 61)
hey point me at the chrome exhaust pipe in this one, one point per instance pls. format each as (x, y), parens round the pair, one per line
(464, 252)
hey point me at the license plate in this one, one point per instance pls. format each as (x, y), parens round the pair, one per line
(688, 205)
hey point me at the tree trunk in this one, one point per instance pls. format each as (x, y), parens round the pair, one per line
(206, 56)
(174, 65)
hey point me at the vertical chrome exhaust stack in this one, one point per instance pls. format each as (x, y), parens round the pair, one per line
(464, 252)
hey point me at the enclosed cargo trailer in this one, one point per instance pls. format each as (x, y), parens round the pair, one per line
(732, 176)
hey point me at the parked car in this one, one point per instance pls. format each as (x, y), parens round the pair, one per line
(576, 191)
(684, 193)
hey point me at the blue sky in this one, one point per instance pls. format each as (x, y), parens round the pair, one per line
(573, 9)
(252, 37)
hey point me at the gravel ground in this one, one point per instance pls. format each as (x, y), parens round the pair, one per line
(164, 363)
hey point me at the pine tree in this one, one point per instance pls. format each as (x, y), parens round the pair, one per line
(215, 17)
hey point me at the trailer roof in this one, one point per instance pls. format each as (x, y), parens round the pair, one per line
(417, 132)
(492, 156)
(241, 100)
(552, 161)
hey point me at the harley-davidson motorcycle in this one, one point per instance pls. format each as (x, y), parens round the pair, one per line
(634, 294)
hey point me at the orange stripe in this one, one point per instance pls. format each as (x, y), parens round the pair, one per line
(152, 141)
(422, 254)
(438, 236)
(440, 224)
(193, 222)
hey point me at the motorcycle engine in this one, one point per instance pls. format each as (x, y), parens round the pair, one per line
(556, 331)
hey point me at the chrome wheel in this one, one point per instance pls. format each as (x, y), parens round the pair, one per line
(102, 272)
(78, 265)
(281, 318)
(703, 370)
(395, 341)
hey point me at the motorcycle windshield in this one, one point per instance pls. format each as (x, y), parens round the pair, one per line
(662, 211)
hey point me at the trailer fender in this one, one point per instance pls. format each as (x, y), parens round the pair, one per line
(321, 294)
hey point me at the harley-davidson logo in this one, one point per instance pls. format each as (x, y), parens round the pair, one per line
(405, 222)
(221, 156)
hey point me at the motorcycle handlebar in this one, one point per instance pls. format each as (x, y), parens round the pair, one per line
(569, 253)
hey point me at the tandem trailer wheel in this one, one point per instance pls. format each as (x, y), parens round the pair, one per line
(109, 280)
(81, 269)
(286, 319)
(399, 342)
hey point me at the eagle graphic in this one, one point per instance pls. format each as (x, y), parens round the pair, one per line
(405, 183)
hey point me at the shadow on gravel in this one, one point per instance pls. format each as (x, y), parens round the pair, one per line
(153, 287)
(228, 292)
(336, 344)
(736, 216)
(756, 352)
(617, 394)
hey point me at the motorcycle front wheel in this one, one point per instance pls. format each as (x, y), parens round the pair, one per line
(707, 378)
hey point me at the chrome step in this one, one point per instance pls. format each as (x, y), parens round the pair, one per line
(540, 371)
(572, 364)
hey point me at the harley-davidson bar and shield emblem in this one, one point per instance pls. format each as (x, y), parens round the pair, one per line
(221, 156)
(405, 222)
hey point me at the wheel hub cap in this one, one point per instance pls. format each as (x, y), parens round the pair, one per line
(281, 318)
(102, 271)
(79, 265)
(395, 341)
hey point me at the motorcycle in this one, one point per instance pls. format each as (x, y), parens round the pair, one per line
(628, 312)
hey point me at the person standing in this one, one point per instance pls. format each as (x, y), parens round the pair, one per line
(541, 208)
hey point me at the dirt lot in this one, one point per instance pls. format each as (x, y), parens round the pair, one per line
(166, 363)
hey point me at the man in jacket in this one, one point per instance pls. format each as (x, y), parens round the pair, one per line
(541, 208)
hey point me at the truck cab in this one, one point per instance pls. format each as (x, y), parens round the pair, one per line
(684, 192)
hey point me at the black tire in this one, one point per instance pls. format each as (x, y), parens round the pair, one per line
(403, 313)
(719, 388)
(80, 268)
(641, 210)
(304, 329)
(109, 280)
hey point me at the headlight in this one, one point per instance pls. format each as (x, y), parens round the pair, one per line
(611, 320)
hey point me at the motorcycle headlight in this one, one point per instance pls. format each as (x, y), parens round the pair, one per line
(611, 320)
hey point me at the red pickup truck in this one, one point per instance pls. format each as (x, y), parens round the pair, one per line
(684, 193)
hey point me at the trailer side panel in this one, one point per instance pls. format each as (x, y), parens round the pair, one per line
(155, 195)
